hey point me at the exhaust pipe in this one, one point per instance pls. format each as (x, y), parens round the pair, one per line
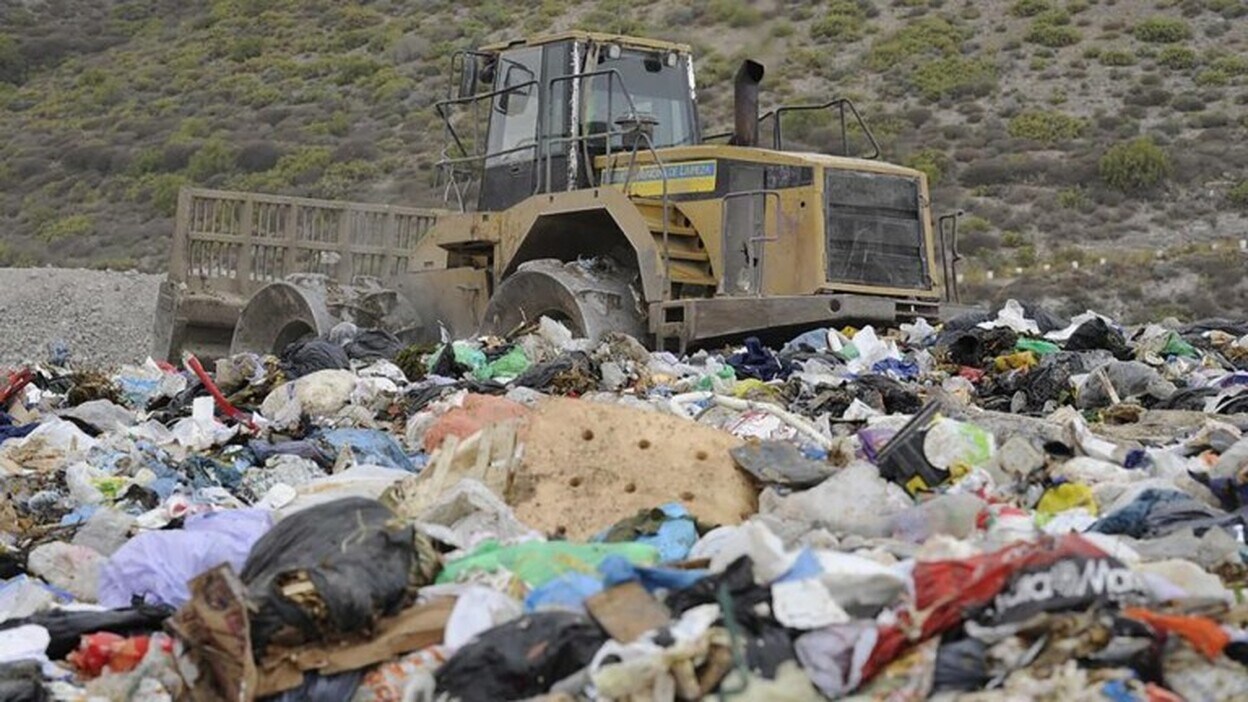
(745, 107)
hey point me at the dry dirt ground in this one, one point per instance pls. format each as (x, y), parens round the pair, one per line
(104, 317)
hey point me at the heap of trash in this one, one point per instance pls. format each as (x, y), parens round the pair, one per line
(1008, 506)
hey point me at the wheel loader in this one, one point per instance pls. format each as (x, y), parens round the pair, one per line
(582, 187)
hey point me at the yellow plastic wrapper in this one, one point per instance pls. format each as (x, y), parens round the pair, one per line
(1065, 497)
(1014, 361)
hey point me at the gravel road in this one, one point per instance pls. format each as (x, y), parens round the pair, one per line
(105, 317)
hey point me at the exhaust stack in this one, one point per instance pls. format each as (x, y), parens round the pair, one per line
(745, 106)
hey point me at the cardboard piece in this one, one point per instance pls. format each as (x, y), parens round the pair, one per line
(627, 611)
(215, 627)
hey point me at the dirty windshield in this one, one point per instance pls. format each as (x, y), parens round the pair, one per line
(657, 89)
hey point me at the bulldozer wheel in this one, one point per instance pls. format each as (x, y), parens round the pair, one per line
(277, 315)
(589, 302)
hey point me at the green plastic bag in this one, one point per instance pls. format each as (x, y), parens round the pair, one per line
(1037, 346)
(1176, 346)
(509, 365)
(465, 355)
(538, 562)
(725, 373)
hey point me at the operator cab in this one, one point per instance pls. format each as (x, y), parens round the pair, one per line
(609, 88)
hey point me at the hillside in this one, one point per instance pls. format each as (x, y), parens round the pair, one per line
(1070, 131)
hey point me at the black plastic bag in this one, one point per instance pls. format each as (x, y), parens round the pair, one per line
(323, 688)
(362, 564)
(573, 368)
(22, 681)
(755, 361)
(312, 355)
(961, 665)
(974, 347)
(767, 643)
(521, 658)
(895, 397)
(1096, 334)
(1044, 319)
(67, 627)
(372, 344)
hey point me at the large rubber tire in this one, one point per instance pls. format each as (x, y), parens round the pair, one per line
(589, 300)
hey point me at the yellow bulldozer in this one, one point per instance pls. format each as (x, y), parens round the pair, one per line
(582, 188)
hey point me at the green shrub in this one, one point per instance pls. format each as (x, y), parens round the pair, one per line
(1231, 64)
(1025, 256)
(1212, 77)
(1117, 57)
(213, 158)
(1072, 199)
(160, 190)
(1177, 57)
(191, 128)
(1162, 30)
(1013, 239)
(1238, 195)
(1047, 127)
(1053, 35)
(1229, 9)
(955, 77)
(1059, 17)
(1029, 8)
(246, 48)
(836, 26)
(928, 36)
(65, 227)
(734, 13)
(12, 65)
(1188, 102)
(1135, 166)
(934, 162)
(974, 224)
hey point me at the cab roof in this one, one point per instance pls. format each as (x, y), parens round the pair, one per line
(598, 37)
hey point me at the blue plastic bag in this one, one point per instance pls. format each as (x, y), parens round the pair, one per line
(567, 592)
(370, 447)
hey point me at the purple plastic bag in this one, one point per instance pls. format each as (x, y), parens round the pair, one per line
(157, 565)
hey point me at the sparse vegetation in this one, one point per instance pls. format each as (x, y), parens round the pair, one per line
(108, 108)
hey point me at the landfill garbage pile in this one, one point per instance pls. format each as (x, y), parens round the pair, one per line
(1009, 506)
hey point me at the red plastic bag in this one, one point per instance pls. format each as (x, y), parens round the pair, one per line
(118, 654)
(1017, 581)
(1204, 634)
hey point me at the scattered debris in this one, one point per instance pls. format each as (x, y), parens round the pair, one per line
(1010, 504)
